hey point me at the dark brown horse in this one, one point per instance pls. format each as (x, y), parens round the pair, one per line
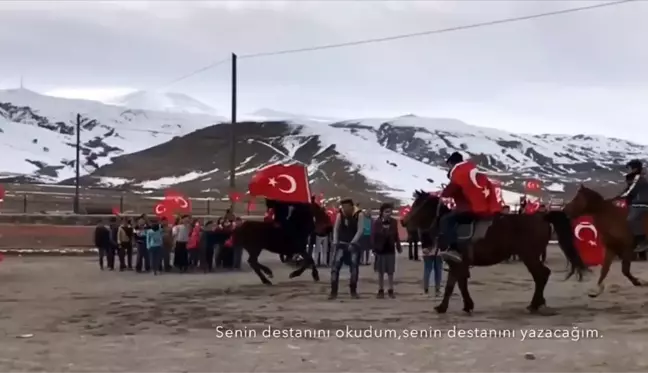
(616, 234)
(493, 241)
(287, 238)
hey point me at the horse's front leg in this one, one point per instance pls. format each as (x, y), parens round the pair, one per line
(253, 261)
(308, 262)
(450, 284)
(605, 269)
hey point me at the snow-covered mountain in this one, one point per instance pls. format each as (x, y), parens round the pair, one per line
(38, 133)
(367, 159)
(163, 101)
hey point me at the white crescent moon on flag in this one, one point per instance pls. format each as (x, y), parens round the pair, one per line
(291, 180)
(473, 177)
(159, 207)
(585, 225)
(182, 202)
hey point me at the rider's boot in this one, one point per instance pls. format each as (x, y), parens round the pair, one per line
(452, 254)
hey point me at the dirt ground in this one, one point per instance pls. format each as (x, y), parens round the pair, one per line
(63, 314)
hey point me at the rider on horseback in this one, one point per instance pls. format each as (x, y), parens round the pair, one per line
(636, 197)
(474, 197)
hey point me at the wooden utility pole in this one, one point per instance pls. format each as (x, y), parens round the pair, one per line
(77, 164)
(232, 175)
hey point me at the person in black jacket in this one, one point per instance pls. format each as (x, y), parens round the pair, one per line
(636, 196)
(102, 242)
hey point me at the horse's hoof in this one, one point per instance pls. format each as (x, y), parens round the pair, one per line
(542, 311)
(316, 278)
(270, 274)
(595, 292)
(293, 275)
(440, 309)
(468, 311)
(267, 283)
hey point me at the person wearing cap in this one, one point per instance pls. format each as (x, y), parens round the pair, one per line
(636, 196)
(474, 196)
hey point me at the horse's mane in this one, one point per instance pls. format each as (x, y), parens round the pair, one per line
(592, 195)
(423, 194)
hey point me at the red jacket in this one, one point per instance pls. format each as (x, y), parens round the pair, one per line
(471, 190)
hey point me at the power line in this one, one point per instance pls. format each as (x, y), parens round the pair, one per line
(434, 32)
(196, 72)
(401, 36)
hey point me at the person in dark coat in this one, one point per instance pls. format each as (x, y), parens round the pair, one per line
(385, 242)
(208, 240)
(102, 242)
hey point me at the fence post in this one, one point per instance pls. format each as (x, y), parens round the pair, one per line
(24, 203)
(208, 206)
(121, 204)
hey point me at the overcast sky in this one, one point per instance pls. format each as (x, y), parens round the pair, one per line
(577, 73)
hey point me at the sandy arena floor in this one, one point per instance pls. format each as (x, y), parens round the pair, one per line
(63, 314)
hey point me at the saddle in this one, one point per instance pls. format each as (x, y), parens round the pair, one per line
(470, 233)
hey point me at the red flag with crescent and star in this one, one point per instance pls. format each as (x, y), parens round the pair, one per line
(587, 241)
(282, 183)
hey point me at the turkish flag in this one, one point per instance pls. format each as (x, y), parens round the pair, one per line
(532, 185)
(587, 241)
(268, 217)
(115, 211)
(531, 207)
(250, 206)
(332, 214)
(620, 203)
(282, 183)
(2, 193)
(177, 202)
(404, 211)
(234, 196)
(498, 194)
(165, 209)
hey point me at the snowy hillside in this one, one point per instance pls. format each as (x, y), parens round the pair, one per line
(166, 101)
(38, 133)
(368, 159)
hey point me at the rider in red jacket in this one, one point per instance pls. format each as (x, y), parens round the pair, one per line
(474, 197)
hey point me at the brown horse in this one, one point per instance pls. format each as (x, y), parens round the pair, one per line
(492, 241)
(616, 234)
(283, 238)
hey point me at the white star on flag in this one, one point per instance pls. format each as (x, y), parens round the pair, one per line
(272, 181)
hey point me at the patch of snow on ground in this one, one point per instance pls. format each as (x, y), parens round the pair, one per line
(555, 187)
(166, 181)
(113, 181)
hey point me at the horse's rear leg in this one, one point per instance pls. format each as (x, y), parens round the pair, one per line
(450, 284)
(605, 269)
(626, 261)
(540, 274)
(462, 281)
(253, 261)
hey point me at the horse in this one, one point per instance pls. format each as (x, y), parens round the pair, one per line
(284, 238)
(616, 234)
(491, 241)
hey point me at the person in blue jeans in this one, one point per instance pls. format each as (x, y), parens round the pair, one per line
(154, 246)
(432, 262)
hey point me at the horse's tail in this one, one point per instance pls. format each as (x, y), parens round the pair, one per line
(562, 226)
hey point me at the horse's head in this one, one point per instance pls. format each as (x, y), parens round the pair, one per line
(424, 210)
(585, 202)
(322, 221)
